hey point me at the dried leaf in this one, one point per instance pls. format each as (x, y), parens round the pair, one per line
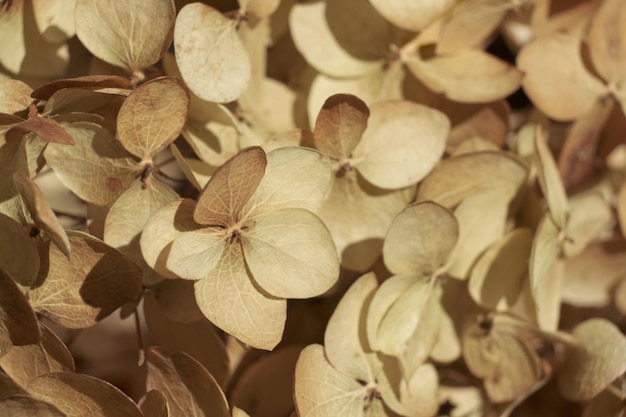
(153, 116)
(96, 168)
(79, 395)
(420, 239)
(291, 254)
(594, 362)
(124, 34)
(211, 57)
(18, 324)
(402, 143)
(25, 363)
(222, 201)
(177, 375)
(42, 214)
(551, 65)
(94, 282)
(229, 298)
(340, 125)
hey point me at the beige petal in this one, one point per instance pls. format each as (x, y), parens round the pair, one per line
(211, 57)
(420, 239)
(55, 19)
(607, 41)
(598, 358)
(152, 116)
(546, 274)
(551, 66)
(18, 324)
(228, 297)
(321, 390)
(497, 277)
(24, 406)
(154, 404)
(340, 125)
(295, 177)
(14, 95)
(27, 52)
(194, 254)
(25, 363)
(550, 180)
(76, 292)
(517, 372)
(178, 376)
(162, 228)
(41, 212)
(82, 395)
(591, 276)
(456, 178)
(402, 143)
(576, 160)
(96, 168)
(469, 76)
(387, 84)
(291, 254)
(344, 339)
(132, 35)
(358, 215)
(411, 15)
(18, 253)
(258, 8)
(590, 219)
(470, 24)
(482, 221)
(396, 314)
(128, 216)
(331, 38)
(222, 201)
(254, 393)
